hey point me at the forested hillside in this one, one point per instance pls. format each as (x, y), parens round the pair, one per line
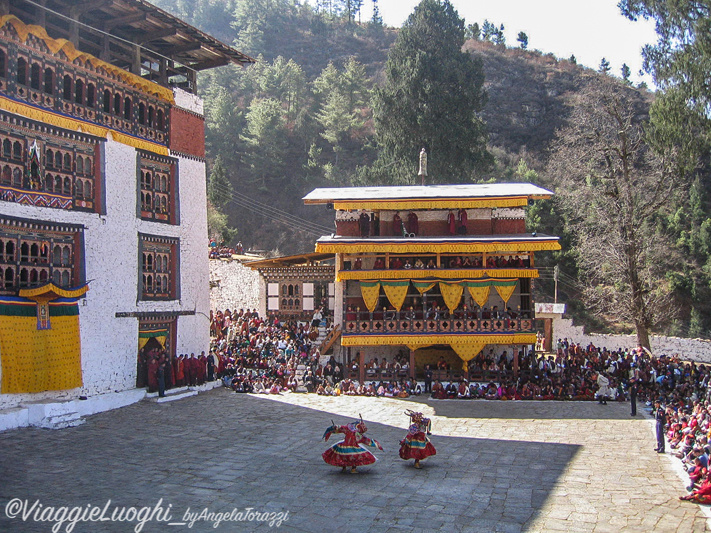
(306, 116)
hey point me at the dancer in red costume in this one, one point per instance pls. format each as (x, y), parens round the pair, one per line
(416, 445)
(352, 451)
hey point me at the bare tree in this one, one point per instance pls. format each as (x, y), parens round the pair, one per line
(612, 188)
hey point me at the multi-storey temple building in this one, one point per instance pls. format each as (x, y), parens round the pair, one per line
(102, 193)
(436, 273)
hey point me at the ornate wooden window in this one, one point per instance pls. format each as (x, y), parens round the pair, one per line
(157, 188)
(159, 268)
(34, 253)
(47, 170)
(48, 81)
(67, 87)
(78, 89)
(22, 71)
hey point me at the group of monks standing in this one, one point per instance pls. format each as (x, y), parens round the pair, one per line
(175, 371)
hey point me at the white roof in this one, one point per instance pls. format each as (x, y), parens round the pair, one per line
(526, 237)
(415, 192)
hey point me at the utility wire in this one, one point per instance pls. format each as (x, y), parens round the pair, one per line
(244, 200)
(274, 214)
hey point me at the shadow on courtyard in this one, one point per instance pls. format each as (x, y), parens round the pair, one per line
(223, 450)
(546, 409)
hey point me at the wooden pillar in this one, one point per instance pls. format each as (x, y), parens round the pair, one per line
(163, 72)
(515, 363)
(548, 334)
(361, 368)
(106, 49)
(74, 13)
(192, 80)
(136, 62)
(41, 14)
(412, 363)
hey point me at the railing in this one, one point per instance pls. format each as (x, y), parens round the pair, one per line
(330, 339)
(471, 324)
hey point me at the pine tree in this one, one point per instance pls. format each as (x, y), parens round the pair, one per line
(487, 30)
(219, 188)
(625, 71)
(474, 32)
(431, 98)
(377, 19)
(523, 40)
(604, 67)
(499, 38)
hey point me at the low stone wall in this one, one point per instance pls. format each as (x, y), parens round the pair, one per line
(688, 349)
(233, 286)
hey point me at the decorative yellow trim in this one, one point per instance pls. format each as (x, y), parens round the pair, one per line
(74, 124)
(57, 45)
(467, 352)
(370, 295)
(415, 273)
(480, 294)
(420, 341)
(505, 292)
(436, 203)
(452, 294)
(52, 288)
(409, 247)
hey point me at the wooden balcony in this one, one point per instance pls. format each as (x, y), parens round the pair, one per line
(470, 324)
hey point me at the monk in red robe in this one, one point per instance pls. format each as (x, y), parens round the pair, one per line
(153, 374)
(397, 224)
(462, 229)
(180, 371)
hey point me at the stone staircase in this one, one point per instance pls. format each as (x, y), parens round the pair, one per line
(47, 415)
(178, 393)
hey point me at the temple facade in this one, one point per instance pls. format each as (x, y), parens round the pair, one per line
(103, 226)
(297, 285)
(434, 273)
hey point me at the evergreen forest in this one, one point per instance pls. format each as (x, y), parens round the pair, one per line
(334, 100)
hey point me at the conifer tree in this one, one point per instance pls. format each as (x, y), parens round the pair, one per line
(431, 98)
(523, 40)
(625, 72)
(219, 188)
(604, 67)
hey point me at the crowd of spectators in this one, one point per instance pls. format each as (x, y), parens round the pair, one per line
(224, 252)
(272, 351)
(688, 432)
(261, 355)
(399, 262)
(271, 356)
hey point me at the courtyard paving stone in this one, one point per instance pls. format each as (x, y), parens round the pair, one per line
(500, 466)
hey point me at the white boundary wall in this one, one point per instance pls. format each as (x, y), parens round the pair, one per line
(689, 349)
(239, 287)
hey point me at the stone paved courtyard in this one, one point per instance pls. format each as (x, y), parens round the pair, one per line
(500, 466)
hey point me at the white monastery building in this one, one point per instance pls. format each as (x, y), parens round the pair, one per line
(103, 228)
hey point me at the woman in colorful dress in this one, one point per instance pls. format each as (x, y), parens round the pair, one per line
(416, 445)
(352, 451)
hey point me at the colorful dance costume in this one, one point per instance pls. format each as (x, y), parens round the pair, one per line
(351, 451)
(416, 445)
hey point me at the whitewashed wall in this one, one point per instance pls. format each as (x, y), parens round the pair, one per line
(239, 287)
(689, 349)
(193, 330)
(110, 344)
(191, 102)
